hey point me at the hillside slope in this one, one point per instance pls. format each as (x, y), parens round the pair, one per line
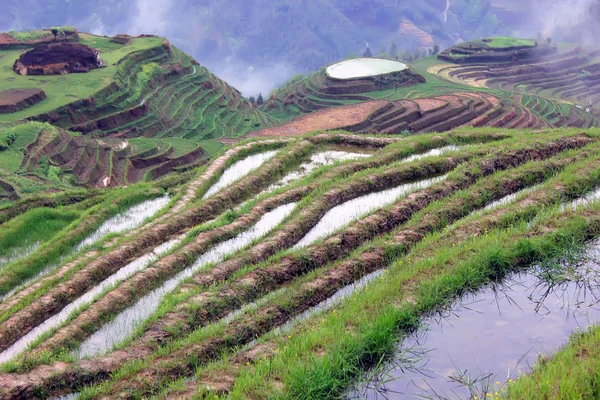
(149, 109)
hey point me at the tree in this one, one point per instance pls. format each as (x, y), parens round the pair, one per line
(436, 48)
(549, 40)
(259, 100)
(54, 32)
(368, 53)
(252, 99)
(394, 50)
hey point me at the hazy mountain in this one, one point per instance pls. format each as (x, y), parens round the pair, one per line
(275, 38)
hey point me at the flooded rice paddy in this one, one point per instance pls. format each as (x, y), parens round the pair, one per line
(361, 67)
(352, 210)
(56, 320)
(494, 335)
(433, 153)
(240, 169)
(127, 220)
(17, 254)
(316, 160)
(130, 219)
(125, 323)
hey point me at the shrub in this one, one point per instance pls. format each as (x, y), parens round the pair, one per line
(6, 139)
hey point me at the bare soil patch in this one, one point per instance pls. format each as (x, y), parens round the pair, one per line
(327, 119)
(14, 100)
(58, 59)
(5, 38)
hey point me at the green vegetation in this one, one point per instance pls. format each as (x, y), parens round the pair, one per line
(30, 35)
(499, 42)
(224, 330)
(23, 134)
(35, 226)
(64, 89)
(572, 373)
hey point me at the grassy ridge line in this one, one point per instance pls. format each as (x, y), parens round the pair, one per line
(46, 200)
(179, 202)
(94, 272)
(84, 325)
(99, 365)
(199, 350)
(330, 350)
(572, 373)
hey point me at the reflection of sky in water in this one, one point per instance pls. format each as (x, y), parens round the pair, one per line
(352, 210)
(316, 160)
(126, 321)
(497, 331)
(130, 219)
(238, 170)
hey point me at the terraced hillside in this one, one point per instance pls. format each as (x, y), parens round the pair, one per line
(410, 116)
(150, 109)
(548, 85)
(289, 266)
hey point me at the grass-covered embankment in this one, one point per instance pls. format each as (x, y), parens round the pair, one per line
(572, 373)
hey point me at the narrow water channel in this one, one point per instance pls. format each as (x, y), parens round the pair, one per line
(317, 160)
(17, 254)
(492, 336)
(352, 210)
(433, 153)
(238, 170)
(130, 219)
(125, 323)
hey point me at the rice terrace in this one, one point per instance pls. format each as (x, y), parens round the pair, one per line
(376, 229)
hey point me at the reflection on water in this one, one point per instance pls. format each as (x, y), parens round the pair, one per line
(354, 209)
(130, 219)
(433, 153)
(17, 254)
(125, 323)
(58, 319)
(491, 335)
(317, 160)
(238, 170)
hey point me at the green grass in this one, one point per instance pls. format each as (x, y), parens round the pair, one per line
(100, 43)
(31, 35)
(358, 333)
(181, 146)
(12, 157)
(141, 145)
(572, 373)
(64, 89)
(64, 241)
(499, 42)
(35, 226)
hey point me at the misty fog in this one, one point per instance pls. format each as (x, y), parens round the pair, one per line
(256, 45)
